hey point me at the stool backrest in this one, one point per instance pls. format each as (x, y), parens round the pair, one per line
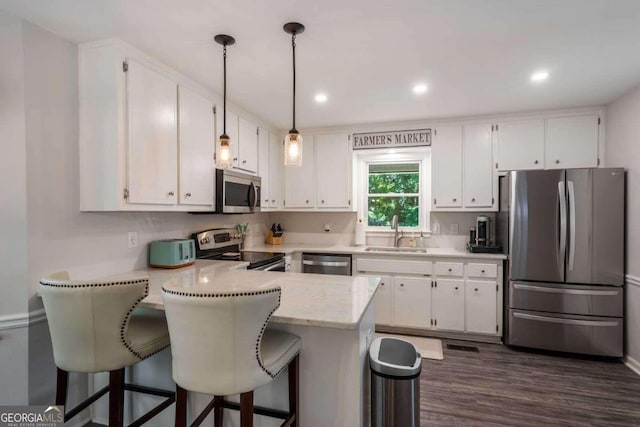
(88, 320)
(215, 338)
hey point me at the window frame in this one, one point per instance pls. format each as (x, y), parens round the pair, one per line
(422, 157)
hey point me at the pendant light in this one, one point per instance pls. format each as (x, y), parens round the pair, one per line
(224, 152)
(293, 140)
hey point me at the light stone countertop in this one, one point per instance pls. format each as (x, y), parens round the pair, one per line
(307, 299)
(289, 248)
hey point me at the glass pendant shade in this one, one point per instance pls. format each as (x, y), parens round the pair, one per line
(224, 153)
(293, 149)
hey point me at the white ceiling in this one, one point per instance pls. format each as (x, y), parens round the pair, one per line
(476, 56)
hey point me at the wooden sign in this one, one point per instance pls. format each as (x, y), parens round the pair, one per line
(399, 138)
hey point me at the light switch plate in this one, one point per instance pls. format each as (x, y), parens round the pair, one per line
(436, 228)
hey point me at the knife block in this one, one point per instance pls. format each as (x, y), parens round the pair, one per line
(270, 239)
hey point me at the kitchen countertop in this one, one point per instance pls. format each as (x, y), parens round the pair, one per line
(289, 248)
(307, 299)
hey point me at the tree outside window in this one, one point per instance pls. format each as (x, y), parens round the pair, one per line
(393, 189)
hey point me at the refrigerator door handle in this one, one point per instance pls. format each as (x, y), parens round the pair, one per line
(563, 220)
(572, 223)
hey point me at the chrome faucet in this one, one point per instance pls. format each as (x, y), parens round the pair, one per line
(394, 226)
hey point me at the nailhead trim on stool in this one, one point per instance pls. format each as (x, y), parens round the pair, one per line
(127, 317)
(240, 294)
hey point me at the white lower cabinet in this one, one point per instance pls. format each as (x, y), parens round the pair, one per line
(412, 301)
(448, 305)
(444, 295)
(384, 301)
(480, 307)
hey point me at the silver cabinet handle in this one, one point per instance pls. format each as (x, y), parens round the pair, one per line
(244, 161)
(534, 288)
(565, 321)
(326, 263)
(273, 201)
(306, 201)
(171, 193)
(455, 200)
(456, 288)
(557, 161)
(402, 284)
(187, 195)
(536, 162)
(476, 289)
(322, 201)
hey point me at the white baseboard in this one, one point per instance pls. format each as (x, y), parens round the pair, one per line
(632, 363)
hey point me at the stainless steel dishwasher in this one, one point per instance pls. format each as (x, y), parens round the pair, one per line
(339, 264)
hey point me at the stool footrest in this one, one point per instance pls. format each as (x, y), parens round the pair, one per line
(85, 403)
(259, 410)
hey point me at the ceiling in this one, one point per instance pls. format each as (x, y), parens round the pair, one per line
(475, 56)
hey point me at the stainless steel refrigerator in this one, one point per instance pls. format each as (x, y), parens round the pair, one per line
(564, 230)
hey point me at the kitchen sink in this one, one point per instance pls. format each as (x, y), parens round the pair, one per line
(392, 249)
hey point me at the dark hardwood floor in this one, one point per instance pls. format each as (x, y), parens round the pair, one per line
(499, 386)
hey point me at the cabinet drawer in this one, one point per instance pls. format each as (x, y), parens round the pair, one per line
(455, 269)
(482, 270)
(393, 266)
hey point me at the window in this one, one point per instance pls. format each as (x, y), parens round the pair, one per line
(394, 182)
(393, 188)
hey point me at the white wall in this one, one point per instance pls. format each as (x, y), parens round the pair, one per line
(41, 226)
(623, 149)
(13, 214)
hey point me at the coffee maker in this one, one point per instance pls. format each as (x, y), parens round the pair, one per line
(481, 237)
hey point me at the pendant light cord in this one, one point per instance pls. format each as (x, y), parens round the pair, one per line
(224, 97)
(293, 45)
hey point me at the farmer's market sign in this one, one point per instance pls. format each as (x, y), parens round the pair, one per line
(399, 138)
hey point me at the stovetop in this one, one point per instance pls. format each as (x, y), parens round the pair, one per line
(224, 245)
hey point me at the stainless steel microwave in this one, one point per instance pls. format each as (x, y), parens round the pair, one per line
(237, 192)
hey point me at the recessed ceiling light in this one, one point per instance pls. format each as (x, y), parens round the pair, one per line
(539, 76)
(420, 88)
(321, 97)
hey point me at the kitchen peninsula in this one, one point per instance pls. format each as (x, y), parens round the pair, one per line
(333, 315)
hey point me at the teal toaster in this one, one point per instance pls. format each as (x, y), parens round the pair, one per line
(172, 253)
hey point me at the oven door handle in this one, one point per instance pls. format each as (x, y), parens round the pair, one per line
(279, 264)
(326, 263)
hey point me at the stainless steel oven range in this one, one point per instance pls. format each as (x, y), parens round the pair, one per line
(222, 244)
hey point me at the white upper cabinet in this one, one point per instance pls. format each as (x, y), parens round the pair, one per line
(333, 171)
(196, 141)
(572, 142)
(521, 144)
(447, 167)
(263, 168)
(300, 181)
(247, 146)
(276, 171)
(478, 176)
(152, 168)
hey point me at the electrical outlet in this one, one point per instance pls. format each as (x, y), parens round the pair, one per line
(436, 228)
(454, 229)
(133, 239)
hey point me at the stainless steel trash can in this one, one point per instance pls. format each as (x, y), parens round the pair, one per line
(395, 383)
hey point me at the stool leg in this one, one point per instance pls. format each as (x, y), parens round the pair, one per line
(181, 407)
(61, 387)
(246, 409)
(218, 411)
(294, 389)
(116, 398)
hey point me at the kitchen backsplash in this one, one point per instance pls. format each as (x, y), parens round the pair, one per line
(309, 228)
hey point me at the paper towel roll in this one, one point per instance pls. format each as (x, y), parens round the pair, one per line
(361, 238)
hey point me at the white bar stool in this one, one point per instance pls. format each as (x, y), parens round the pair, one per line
(221, 346)
(96, 327)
